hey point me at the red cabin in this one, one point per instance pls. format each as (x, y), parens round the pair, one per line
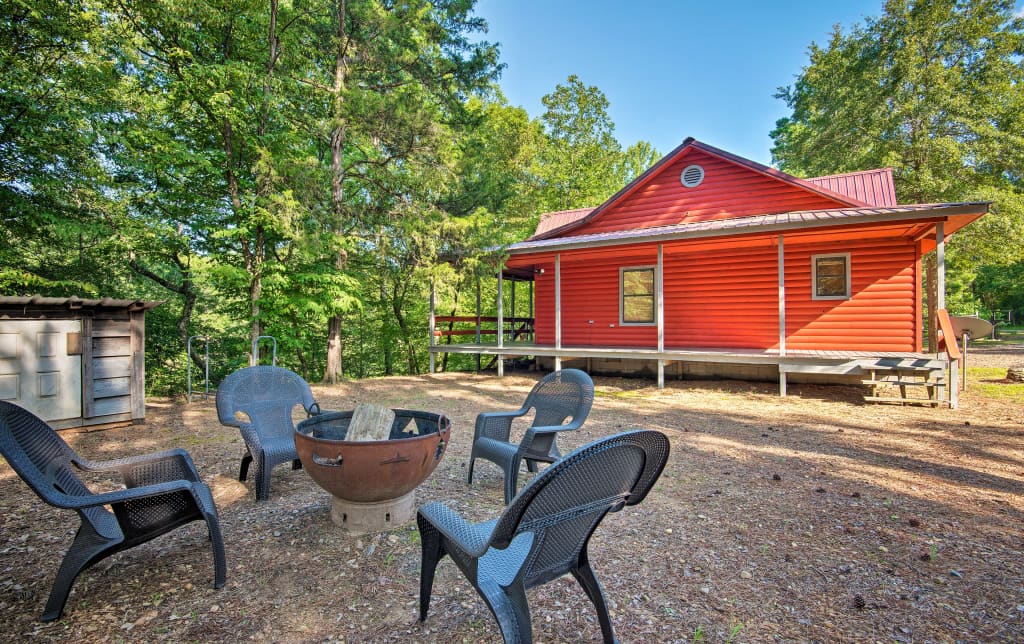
(718, 265)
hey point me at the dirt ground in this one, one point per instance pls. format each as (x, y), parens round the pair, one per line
(817, 517)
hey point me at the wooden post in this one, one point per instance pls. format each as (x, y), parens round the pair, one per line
(501, 321)
(558, 309)
(432, 325)
(940, 265)
(88, 377)
(138, 378)
(782, 313)
(660, 313)
(478, 321)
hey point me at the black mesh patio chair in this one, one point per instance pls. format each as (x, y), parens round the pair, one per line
(163, 492)
(544, 532)
(558, 396)
(266, 395)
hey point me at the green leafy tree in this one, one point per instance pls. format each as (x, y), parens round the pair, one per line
(932, 88)
(579, 165)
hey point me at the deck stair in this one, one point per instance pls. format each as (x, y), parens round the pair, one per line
(907, 374)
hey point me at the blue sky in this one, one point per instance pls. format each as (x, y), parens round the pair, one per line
(670, 69)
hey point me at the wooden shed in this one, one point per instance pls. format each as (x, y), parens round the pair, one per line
(74, 362)
(719, 265)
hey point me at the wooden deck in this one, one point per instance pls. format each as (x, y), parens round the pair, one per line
(862, 364)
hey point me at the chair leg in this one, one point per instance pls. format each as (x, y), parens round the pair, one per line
(512, 479)
(87, 548)
(262, 479)
(509, 607)
(585, 575)
(296, 464)
(243, 471)
(432, 552)
(469, 475)
(531, 466)
(220, 566)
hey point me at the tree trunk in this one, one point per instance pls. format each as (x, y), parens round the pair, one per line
(335, 345)
(333, 373)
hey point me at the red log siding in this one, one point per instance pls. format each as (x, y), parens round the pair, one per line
(725, 295)
(590, 291)
(880, 316)
(722, 297)
(728, 190)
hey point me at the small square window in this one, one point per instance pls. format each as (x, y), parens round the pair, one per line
(830, 275)
(637, 288)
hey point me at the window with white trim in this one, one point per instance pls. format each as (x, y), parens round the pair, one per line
(637, 295)
(830, 277)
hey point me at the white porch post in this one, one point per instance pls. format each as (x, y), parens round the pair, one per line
(782, 313)
(558, 309)
(478, 321)
(940, 303)
(432, 324)
(660, 313)
(940, 262)
(501, 322)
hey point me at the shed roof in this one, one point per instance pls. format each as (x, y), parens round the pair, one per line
(758, 224)
(74, 302)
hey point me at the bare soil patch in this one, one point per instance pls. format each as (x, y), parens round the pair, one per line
(816, 517)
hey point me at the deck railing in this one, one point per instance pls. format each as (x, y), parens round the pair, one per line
(482, 329)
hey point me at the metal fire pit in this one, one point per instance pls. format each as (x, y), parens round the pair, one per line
(373, 482)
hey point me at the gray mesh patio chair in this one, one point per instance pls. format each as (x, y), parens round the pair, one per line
(544, 532)
(558, 396)
(266, 395)
(163, 492)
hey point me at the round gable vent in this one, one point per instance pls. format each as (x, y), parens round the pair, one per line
(692, 176)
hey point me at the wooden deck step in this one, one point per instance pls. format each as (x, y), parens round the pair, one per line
(906, 401)
(896, 382)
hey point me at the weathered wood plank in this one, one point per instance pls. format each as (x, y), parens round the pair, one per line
(110, 387)
(112, 346)
(111, 367)
(108, 328)
(110, 406)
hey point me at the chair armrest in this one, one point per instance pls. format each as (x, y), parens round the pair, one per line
(146, 469)
(496, 424)
(473, 539)
(120, 496)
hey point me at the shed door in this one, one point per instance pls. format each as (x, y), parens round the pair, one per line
(41, 366)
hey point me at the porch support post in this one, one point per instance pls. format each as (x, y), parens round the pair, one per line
(940, 261)
(533, 331)
(660, 313)
(432, 324)
(940, 303)
(478, 321)
(558, 309)
(782, 314)
(501, 321)
(512, 317)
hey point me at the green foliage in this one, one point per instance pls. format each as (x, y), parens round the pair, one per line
(934, 90)
(278, 169)
(582, 163)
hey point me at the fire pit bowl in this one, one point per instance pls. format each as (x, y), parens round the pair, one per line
(373, 482)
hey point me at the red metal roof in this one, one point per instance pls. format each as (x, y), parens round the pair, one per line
(756, 223)
(874, 187)
(552, 220)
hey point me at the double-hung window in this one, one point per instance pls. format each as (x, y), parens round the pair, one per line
(830, 277)
(638, 297)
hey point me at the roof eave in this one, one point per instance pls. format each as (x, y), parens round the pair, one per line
(582, 242)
